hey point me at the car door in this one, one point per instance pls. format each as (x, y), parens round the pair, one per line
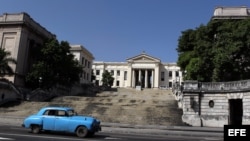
(62, 121)
(49, 118)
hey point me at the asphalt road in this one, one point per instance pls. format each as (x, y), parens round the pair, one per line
(16, 133)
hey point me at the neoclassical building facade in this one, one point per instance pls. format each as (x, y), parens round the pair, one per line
(85, 58)
(21, 35)
(141, 70)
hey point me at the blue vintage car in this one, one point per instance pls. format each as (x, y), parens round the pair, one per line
(62, 119)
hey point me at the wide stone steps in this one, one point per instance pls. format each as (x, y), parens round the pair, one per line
(128, 106)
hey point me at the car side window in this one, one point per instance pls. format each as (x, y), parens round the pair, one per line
(61, 113)
(50, 113)
(46, 113)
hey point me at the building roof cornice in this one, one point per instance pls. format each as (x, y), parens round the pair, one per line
(24, 19)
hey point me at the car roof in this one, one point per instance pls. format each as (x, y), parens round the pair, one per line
(57, 108)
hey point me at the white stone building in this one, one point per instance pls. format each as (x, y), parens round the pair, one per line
(234, 12)
(143, 70)
(85, 59)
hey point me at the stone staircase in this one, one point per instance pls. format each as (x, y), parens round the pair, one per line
(121, 105)
(149, 106)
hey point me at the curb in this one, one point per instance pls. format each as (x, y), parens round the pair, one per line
(161, 127)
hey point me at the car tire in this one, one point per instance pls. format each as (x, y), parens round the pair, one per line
(35, 129)
(81, 131)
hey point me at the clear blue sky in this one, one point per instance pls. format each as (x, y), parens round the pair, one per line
(114, 30)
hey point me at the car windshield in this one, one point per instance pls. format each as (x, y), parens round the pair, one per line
(71, 113)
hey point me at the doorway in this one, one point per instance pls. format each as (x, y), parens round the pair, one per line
(143, 80)
(235, 111)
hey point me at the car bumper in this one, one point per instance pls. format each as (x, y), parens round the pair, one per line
(97, 128)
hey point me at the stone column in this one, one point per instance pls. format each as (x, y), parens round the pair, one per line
(139, 77)
(146, 79)
(129, 76)
(152, 79)
(156, 76)
(133, 78)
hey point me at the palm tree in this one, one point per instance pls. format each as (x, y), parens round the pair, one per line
(5, 60)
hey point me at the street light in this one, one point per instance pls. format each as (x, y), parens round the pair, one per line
(177, 81)
(40, 80)
(185, 75)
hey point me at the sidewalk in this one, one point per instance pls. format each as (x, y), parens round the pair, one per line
(139, 129)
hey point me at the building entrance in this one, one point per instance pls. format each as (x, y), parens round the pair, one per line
(235, 112)
(143, 78)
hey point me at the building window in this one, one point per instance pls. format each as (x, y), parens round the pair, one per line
(118, 83)
(170, 73)
(162, 76)
(97, 82)
(211, 103)
(170, 84)
(82, 60)
(118, 72)
(112, 72)
(125, 75)
(177, 73)
(88, 64)
(86, 61)
(97, 72)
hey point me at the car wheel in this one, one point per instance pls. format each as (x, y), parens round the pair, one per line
(35, 129)
(82, 131)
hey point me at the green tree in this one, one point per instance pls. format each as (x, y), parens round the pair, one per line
(218, 51)
(107, 79)
(5, 61)
(55, 65)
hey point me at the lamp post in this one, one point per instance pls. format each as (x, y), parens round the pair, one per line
(40, 80)
(178, 82)
(185, 74)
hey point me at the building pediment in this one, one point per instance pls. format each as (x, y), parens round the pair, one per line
(143, 58)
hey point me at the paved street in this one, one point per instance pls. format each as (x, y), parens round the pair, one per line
(9, 132)
(127, 124)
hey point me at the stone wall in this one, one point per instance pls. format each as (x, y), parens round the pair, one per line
(214, 104)
(8, 92)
